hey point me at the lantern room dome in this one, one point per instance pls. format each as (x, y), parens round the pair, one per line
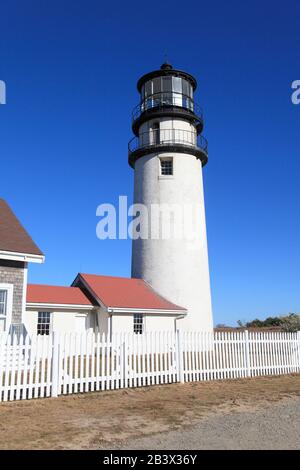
(166, 66)
(166, 69)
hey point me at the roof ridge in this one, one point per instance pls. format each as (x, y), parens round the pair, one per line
(51, 285)
(111, 276)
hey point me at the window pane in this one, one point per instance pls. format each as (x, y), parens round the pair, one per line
(185, 88)
(3, 294)
(177, 84)
(3, 302)
(138, 323)
(166, 167)
(156, 85)
(148, 89)
(167, 83)
(43, 325)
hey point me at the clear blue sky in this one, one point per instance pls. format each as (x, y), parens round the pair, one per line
(71, 69)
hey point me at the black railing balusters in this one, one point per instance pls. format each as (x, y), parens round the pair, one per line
(155, 137)
(163, 99)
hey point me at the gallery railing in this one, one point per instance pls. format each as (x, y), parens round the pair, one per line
(167, 99)
(168, 137)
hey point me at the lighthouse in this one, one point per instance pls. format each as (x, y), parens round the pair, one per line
(167, 155)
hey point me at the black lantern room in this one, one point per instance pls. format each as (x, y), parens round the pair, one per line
(167, 93)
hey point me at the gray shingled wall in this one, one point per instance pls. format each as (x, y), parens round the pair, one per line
(12, 272)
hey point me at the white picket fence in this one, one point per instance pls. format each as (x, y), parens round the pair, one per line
(44, 366)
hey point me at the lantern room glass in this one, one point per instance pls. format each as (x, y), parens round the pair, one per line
(167, 90)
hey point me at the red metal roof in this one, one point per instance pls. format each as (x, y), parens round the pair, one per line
(44, 294)
(13, 236)
(121, 292)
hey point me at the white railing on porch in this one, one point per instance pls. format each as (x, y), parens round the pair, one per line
(43, 366)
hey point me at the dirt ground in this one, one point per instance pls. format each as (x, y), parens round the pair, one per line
(114, 419)
(272, 427)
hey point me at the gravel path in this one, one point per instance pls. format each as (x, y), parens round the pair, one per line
(274, 427)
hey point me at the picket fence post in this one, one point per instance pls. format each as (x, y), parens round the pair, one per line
(55, 366)
(180, 362)
(125, 361)
(247, 353)
(298, 344)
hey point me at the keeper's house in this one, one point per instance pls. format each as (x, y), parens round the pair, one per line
(100, 303)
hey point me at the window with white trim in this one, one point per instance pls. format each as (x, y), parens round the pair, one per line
(138, 323)
(3, 309)
(166, 166)
(43, 324)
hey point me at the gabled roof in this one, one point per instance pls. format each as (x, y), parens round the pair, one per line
(13, 236)
(125, 293)
(56, 295)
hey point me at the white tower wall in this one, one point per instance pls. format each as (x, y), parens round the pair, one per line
(177, 269)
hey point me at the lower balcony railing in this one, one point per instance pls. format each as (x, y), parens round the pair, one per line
(168, 137)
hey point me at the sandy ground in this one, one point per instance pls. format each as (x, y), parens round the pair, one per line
(248, 413)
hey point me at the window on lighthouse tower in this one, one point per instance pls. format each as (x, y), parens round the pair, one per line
(156, 133)
(166, 166)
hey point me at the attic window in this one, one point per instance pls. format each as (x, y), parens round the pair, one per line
(138, 324)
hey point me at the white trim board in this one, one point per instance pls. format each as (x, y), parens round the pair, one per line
(145, 311)
(36, 305)
(25, 257)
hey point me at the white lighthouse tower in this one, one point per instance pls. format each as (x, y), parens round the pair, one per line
(167, 155)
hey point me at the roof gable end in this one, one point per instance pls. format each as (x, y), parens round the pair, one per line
(13, 236)
(125, 293)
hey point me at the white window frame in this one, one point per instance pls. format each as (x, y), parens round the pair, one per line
(9, 288)
(166, 158)
(143, 322)
(50, 322)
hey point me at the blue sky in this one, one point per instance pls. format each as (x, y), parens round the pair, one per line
(71, 68)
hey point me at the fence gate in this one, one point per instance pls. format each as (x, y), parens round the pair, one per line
(95, 362)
